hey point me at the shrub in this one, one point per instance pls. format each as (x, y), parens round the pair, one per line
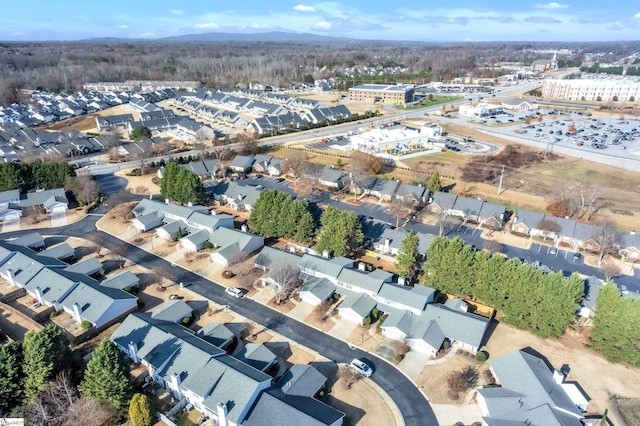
(459, 351)
(366, 321)
(186, 321)
(86, 325)
(481, 356)
(398, 358)
(54, 314)
(466, 353)
(446, 345)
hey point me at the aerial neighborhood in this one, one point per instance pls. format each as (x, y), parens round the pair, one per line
(281, 229)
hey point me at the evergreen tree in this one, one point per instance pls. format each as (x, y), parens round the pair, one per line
(435, 254)
(305, 227)
(46, 353)
(10, 176)
(275, 214)
(615, 333)
(11, 376)
(434, 184)
(168, 182)
(407, 259)
(107, 376)
(341, 232)
(140, 133)
(141, 411)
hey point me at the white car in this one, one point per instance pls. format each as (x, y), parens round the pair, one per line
(361, 367)
(235, 292)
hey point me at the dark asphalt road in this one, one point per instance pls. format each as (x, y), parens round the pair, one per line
(411, 402)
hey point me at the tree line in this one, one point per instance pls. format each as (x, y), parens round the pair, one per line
(46, 383)
(543, 303)
(616, 334)
(35, 175)
(276, 215)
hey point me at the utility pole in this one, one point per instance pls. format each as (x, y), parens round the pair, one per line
(501, 177)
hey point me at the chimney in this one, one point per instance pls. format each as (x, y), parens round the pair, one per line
(244, 228)
(175, 381)
(632, 232)
(221, 411)
(401, 280)
(11, 275)
(387, 243)
(133, 351)
(77, 312)
(362, 266)
(190, 204)
(39, 295)
(325, 254)
(166, 201)
(558, 376)
(213, 212)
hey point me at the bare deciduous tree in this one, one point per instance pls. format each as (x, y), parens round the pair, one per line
(460, 381)
(548, 226)
(286, 279)
(96, 241)
(294, 163)
(119, 253)
(347, 375)
(610, 270)
(606, 238)
(400, 210)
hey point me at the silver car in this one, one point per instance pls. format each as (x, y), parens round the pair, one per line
(361, 367)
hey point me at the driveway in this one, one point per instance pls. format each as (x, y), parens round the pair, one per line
(58, 219)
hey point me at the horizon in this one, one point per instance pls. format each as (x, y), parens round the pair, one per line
(375, 20)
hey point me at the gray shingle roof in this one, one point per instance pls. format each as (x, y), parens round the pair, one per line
(470, 206)
(320, 264)
(256, 355)
(172, 310)
(360, 304)
(319, 287)
(444, 200)
(87, 266)
(534, 393)
(302, 380)
(61, 251)
(415, 297)
(269, 256)
(216, 333)
(122, 280)
(366, 281)
(529, 218)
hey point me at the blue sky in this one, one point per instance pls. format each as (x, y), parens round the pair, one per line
(420, 20)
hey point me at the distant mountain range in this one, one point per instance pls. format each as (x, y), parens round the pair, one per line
(271, 36)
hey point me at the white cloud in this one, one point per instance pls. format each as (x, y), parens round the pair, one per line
(637, 15)
(176, 12)
(123, 26)
(322, 25)
(208, 25)
(552, 5)
(304, 8)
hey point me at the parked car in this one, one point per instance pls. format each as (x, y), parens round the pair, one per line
(361, 367)
(553, 250)
(235, 292)
(576, 256)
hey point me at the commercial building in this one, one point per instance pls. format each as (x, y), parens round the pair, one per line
(393, 94)
(609, 89)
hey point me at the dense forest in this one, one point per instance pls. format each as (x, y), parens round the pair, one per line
(68, 65)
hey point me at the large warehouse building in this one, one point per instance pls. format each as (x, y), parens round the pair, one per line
(393, 94)
(610, 89)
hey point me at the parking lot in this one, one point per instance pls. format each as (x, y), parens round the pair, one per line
(618, 137)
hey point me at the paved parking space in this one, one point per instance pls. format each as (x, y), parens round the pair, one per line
(58, 219)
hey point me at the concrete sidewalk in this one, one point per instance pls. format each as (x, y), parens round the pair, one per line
(450, 414)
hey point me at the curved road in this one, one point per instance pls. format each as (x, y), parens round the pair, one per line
(411, 402)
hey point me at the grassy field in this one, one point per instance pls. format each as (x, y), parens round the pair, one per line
(436, 100)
